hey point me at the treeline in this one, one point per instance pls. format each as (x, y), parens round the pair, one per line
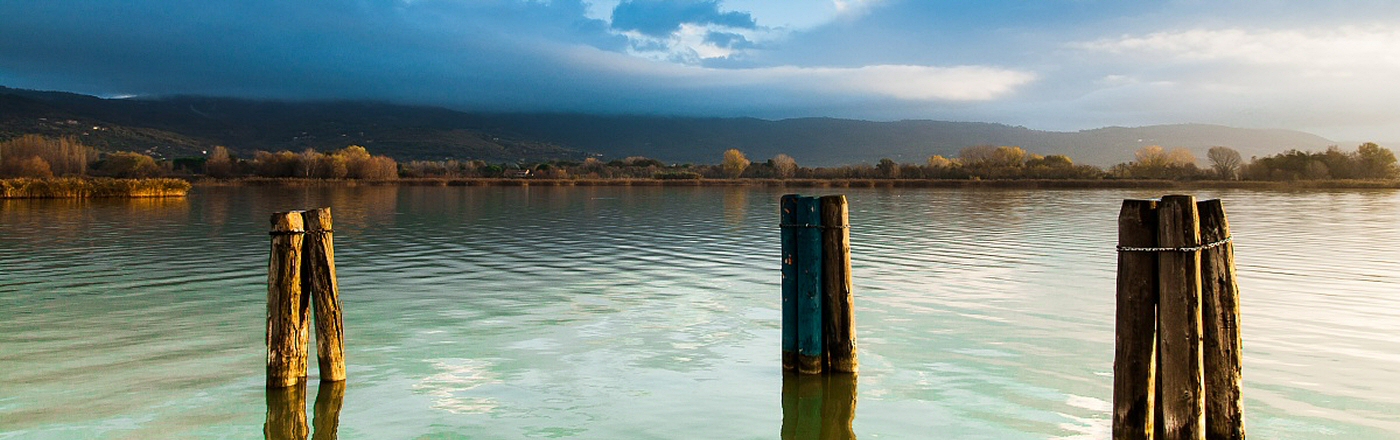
(352, 162)
(40, 157)
(33, 156)
(1369, 161)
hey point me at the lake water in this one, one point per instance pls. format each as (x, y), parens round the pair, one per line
(639, 313)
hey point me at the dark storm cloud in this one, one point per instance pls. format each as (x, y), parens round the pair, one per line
(364, 49)
(659, 18)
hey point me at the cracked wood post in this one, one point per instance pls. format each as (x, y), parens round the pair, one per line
(287, 310)
(1220, 318)
(319, 282)
(1179, 320)
(839, 320)
(1135, 346)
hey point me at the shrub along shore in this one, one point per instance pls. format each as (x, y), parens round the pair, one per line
(76, 187)
(34, 161)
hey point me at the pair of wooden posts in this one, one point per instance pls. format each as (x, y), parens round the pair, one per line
(819, 329)
(300, 273)
(1176, 369)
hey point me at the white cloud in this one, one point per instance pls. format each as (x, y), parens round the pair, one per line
(849, 7)
(1326, 51)
(687, 45)
(914, 83)
(902, 82)
(775, 21)
(1338, 81)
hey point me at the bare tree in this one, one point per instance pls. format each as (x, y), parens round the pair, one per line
(785, 166)
(1225, 161)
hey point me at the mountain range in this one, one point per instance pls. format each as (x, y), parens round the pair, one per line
(182, 126)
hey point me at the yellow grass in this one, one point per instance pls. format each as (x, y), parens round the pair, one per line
(74, 187)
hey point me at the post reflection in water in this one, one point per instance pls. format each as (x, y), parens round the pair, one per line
(818, 406)
(286, 412)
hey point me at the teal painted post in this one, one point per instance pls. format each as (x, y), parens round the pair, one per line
(810, 350)
(788, 221)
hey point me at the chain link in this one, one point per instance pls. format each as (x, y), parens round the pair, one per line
(1176, 249)
(809, 225)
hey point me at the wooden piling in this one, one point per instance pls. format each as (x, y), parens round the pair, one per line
(1134, 362)
(810, 349)
(287, 308)
(1220, 318)
(286, 413)
(319, 282)
(1179, 320)
(839, 322)
(788, 220)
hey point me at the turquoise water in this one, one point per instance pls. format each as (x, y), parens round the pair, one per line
(654, 313)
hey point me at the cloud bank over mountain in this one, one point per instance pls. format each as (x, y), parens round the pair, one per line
(1054, 64)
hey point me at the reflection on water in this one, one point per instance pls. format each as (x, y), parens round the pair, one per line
(736, 204)
(329, 398)
(818, 406)
(286, 412)
(643, 312)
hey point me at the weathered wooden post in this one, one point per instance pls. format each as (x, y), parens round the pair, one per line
(1179, 319)
(1134, 362)
(1220, 317)
(287, 310)
(788, 215)
(819, 333)
(810, 347)
(319, 282)
(1179, 255)
(839, 322)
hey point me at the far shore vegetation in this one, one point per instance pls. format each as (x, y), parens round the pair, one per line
(36, 166)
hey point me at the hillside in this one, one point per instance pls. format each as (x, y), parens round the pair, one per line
(186, 126)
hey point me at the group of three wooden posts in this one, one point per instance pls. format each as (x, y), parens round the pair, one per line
(1177, 353)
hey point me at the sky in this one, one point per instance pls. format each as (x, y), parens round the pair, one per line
(1326, 67)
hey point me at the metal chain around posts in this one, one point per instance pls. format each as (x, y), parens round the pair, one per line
(1193, 390)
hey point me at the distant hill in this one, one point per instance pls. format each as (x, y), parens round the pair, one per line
(186, 126)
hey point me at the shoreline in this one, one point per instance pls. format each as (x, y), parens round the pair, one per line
(823, 183)
(88, 188)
